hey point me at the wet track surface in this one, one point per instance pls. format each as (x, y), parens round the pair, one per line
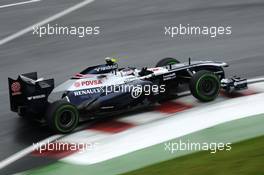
(132, 30)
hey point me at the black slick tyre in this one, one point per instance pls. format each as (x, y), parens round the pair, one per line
(62, 117)
(167, 61)
(205, 86)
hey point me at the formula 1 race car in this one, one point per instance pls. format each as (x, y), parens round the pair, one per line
(107, 89)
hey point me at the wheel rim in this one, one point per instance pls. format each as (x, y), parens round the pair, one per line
(207, 87)
(66, 118)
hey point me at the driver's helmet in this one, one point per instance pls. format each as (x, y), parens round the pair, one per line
(110, 60)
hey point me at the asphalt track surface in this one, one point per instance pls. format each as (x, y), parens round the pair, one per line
(132, 30)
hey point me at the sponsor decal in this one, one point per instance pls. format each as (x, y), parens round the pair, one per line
(16, 88)
(36, 97)
(77, 84)
(88, 83)
(154, 69)
(107, 67)
(130, 79)
(127, 72)
(78, 75)
(87, 91)
(169, 76)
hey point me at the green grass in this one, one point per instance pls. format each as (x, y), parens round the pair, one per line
(245, 158)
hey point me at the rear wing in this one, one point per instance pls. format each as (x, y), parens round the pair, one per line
(28, 94)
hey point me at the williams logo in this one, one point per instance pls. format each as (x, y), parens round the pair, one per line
(36, 97)
(106, 68)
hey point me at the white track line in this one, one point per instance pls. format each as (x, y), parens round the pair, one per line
(26, 151)
(169, 128)
(45, 21)
(18, 3)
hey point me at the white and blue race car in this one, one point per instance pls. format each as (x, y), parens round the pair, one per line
(107, 89)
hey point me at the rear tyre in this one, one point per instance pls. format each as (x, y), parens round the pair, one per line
(167, 61)
(205, 86)
(169, 86)
(62, 117)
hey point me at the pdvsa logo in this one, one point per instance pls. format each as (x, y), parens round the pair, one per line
(88, 83)
(16, 88)
(77, 84)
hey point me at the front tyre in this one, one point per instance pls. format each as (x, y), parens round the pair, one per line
(62, 117)
(205, 86)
